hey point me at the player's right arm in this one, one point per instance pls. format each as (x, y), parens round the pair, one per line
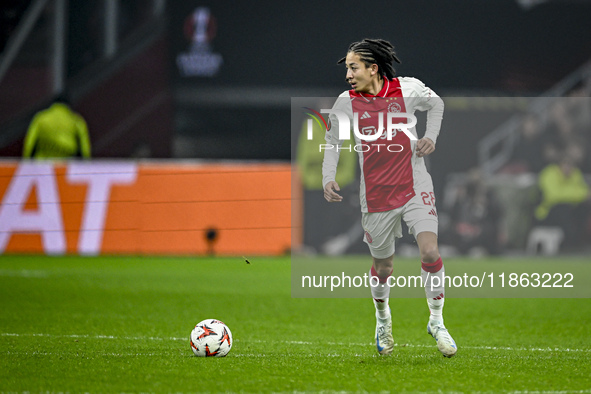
(329, 172)
(330, 192)
(332, 153)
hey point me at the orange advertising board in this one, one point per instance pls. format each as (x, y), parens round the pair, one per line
(91, 208)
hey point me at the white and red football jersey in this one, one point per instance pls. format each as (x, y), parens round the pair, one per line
(390, 170)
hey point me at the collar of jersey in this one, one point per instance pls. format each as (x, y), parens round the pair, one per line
(382, 92)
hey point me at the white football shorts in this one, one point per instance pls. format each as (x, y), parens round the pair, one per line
(381, 228)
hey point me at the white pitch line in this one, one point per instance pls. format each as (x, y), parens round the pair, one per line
(429, 346)
(86, 336)
(506, 348)
(552, 392)
(93, 353)
(24, 273)
(234, 354)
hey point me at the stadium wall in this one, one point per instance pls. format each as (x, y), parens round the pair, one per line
(145, 208)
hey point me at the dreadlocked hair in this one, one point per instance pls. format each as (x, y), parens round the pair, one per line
(375, 51)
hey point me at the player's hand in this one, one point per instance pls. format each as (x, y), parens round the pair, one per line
(424, 147)
(330, 192)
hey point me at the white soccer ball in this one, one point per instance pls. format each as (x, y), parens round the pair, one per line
(211, 338)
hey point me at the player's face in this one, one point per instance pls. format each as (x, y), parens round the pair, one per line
(359, 76)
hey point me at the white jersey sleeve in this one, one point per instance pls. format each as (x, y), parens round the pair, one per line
(333, 143)
(422, 98)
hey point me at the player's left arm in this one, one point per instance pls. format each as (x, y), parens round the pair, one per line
(427, 100)
(425, 146)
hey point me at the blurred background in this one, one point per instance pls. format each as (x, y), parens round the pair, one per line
(213, 81)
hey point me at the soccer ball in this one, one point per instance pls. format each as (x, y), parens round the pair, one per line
(211, 338)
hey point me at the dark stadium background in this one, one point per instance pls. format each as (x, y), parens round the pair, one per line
(274, 50)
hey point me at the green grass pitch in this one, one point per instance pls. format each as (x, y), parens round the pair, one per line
(121, 324)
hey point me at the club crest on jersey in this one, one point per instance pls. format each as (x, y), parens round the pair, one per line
(394, 107)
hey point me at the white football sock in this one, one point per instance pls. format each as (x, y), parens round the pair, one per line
(434, 290)
(380, 294)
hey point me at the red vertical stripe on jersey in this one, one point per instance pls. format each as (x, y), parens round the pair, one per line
(388, 175)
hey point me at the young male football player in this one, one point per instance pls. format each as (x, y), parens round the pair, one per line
(395, 184)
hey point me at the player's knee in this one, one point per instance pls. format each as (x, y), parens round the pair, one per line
(429, 253)
(384, 272)
(383, 267)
